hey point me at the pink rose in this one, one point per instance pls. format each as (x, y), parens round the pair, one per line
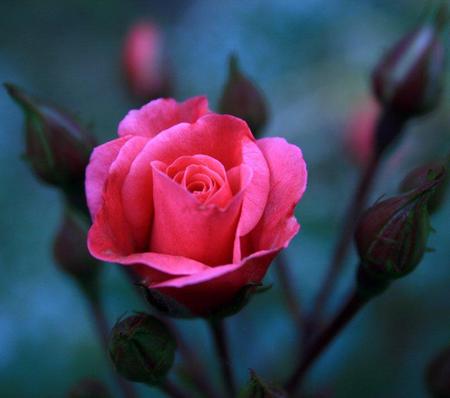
(192, 202)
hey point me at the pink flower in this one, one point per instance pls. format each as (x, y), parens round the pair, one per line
(192, 202)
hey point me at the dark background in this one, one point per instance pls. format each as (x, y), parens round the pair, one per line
(313, 60)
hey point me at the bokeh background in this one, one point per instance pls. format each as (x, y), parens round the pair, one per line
(313, 59)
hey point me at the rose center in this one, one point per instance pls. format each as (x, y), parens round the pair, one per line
(203, 176)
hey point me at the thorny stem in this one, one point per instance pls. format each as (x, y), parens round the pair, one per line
(389, 126)
(283, 274)
(353, 304)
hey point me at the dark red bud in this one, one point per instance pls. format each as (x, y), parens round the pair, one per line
(423, 175)
(57, 147)
(89, 388)
(438, 375)
(243, 99)
(142, 349)
(70, 250)
(145, 65)
(391, 236)
(409, 78)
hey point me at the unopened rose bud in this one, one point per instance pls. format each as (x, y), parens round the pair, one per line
(391, 236)
(70, 249)
(142, 349)
(57, 147)
(89, 388)
(409, 78)
(145, 66)
(243, 99)
(438, 375)
(423, 175)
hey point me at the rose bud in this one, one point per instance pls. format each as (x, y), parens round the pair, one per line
(243, 99)
(438, 375)
(70, 251)
(192, 202)
(57, 147)
(423, 175)
(359, 138)
(89, 388)
(142, 349)
(409, 78)
(391, 236)
(145, 66)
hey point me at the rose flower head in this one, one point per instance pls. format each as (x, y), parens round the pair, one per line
(192, 202)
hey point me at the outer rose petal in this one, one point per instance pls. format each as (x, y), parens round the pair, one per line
(160, 114)
(97, 172)
(288, 178)
(207, 291)
(110, 232)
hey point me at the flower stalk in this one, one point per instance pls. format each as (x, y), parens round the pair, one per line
(218, 331)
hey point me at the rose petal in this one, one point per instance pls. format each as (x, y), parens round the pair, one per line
(218, 136)
(184, 227)
(160, 114)
(288, 177)
(97, 172)
(209, 290)
(111, 232)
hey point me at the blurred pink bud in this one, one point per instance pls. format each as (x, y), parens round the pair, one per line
(144, 64)
(359, 134)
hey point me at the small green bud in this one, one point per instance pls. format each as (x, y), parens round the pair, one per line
(423, 175)
(241, 98)
(142, 349)
(391, 236)
(438, 375)
(89, 388)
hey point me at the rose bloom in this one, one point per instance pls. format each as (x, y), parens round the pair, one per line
(192, 202)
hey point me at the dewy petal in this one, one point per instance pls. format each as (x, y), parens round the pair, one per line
(160, 114)
(288, 177)
(111, 232)
(209, 290)
(184, 227)
(97, 172)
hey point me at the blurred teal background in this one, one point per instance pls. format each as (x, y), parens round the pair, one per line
(313, 60)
